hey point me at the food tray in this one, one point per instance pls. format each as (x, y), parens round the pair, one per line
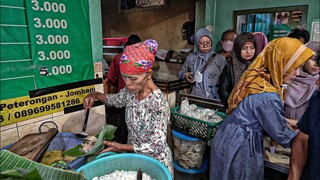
(194, 127)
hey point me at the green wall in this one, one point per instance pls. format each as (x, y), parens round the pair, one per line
(200, 14)
(220, 12)
(96, 29)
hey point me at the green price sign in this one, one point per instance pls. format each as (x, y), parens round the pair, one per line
(44, 43)
(59, 32)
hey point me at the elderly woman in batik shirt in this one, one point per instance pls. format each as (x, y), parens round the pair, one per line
(147, 111)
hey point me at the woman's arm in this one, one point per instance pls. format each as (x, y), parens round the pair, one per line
(299, 154)
(299, 150)
(118, 100)
(185, 67)
(268, 109)
(224, 86)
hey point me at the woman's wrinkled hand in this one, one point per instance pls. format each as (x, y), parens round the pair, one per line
(88, 101)
(189, 77)
(111, 146)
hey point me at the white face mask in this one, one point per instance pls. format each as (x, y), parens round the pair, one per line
(227, 45)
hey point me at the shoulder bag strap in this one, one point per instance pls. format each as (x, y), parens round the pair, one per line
(208, 62)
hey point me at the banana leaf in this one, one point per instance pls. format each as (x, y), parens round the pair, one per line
(19, 173)
(11, 161)
(75, 152)
(107, 133)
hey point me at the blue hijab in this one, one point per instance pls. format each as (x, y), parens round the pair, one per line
(201, 58)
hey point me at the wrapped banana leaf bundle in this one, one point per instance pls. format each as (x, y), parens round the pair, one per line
(93, 145)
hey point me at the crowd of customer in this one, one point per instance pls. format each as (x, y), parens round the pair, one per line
(267, 88)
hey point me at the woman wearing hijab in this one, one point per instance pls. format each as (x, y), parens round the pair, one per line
(147, 111)
(302, 87)
(199, 70)
(261, 40)
(244, 52)
(256, 105)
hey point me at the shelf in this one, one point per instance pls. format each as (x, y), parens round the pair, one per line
(120, 47)
(110, 54)
(112, 50)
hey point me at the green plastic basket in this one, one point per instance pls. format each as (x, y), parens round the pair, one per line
(127, 162)
(194, 127)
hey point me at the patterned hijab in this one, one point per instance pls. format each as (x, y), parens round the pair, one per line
(138, 58)
(281, 56)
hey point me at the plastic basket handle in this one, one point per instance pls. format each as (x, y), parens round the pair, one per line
(105, 154)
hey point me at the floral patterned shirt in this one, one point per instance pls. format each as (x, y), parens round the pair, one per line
(147, 122)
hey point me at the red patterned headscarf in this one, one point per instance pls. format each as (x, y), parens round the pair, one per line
(138, 58)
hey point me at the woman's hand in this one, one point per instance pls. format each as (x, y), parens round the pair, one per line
(292, 124)
(111, 146)
(88, 101)
(189, 77)
(114, 147)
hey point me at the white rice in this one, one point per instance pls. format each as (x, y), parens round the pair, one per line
(123, 175)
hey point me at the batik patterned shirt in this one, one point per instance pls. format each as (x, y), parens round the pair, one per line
(147, 122)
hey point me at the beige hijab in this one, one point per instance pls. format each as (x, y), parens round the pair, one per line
(265, 74)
